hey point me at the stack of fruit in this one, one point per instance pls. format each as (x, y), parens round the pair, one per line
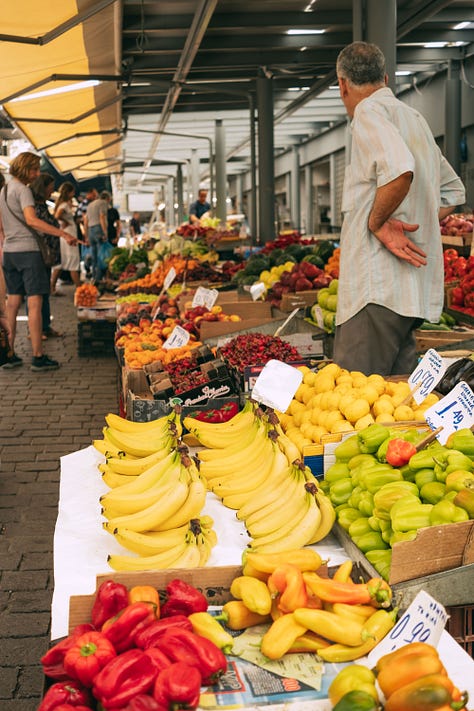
(157, 496)
(86, 295)
(384, 490)
(327, 302)
(252, 467)
(256, 349)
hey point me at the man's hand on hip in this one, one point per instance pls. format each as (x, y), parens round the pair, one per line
(392, 236)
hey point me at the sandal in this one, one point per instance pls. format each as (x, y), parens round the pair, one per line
(52, 333)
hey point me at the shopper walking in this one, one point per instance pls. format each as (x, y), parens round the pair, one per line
(70, 257)
(397, 186)
(23, 266)
(95, 231)
(42, 188)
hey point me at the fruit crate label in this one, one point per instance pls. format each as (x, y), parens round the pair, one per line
(205, 297)
(169, 279)
(423, 621)
(453, 412)
(426, 375)
(277, 384)
(177, 338)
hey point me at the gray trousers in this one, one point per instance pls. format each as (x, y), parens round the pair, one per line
(377, 340)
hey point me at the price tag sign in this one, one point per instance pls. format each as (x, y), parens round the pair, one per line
(177, 338)
(453, 412)
(317, 314)
(426, 375)
(169, 278)
(205, 297)
(423, 621)
(277, 384)
(256, 290)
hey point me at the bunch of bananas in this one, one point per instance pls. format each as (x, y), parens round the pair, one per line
(252, 466)
(156, 498)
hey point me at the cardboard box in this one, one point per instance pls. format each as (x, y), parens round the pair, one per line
(300, 299)
(252, 313)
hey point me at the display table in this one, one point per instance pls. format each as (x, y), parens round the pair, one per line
(81, 547)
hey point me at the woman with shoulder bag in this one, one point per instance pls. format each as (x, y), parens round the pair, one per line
(70, 257)
(25, 272)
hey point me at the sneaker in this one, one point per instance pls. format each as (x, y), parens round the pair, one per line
(12, 361)
(43, 363)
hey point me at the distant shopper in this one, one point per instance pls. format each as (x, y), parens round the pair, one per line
(70, 256)
(397, 182)
(114, 223)
(135, 226)
(95, 231)
(199, 208)
(25, 272)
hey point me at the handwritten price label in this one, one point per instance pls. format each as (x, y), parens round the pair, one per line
(423, 621)
(453, 412)
(177, 338)
(426, 375)
(256, 290)
(205, 297)
(169, 278)
(277, 384)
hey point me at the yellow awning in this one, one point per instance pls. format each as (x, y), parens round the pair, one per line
(62, 91)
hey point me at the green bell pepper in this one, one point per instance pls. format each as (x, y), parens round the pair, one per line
(346, 516)
(354, 462)
(407, 473)
(340, 491)
(372, 540)
(460, 479)
(447, 512)
(355, 497)
(432, 492)
(375, 522)
(337, 471)
(388, 494)
(359, 527)
(398, 536)
(465, 499)
(463, 441)
(371, 437)
(410, 515)
(366, 504)
(386, 534)
(381, 560)
(424, 459)
(347, 449)
(375, 478)
(424, 476)
(356, 700)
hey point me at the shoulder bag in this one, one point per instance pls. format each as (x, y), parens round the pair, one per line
(49, 248)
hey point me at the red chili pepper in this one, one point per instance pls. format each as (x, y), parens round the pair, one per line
(147, 637)
(125, 676)
(110, 598)
(122, 628)
(53, 660)
(399, 452)
(182, 599)
(88, 655)
(65, 692)
(287, 582)
(178, 687)
(183, 646)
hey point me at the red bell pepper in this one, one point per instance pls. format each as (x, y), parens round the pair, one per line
(178, 687)
(122, 628)
(141, 702)
(182, 599)
(70, 707)
(87, 656)
(53, 660)
(125, 676)
(183, 646)
(147, 637)
(160, 659)
(399, 452)
(65, 692)
(110, 598)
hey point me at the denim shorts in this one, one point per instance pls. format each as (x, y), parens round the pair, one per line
(25, 273)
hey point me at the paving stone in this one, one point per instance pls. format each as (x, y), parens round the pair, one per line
(22, 601)
(8, 682)
(25, 580)
(36, 561)
(29, 624)
(20, 651)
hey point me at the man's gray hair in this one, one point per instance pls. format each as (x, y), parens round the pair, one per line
(361, 63)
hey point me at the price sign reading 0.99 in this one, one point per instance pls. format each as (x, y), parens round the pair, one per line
(453, 412)
(426, 375)
(423, 621)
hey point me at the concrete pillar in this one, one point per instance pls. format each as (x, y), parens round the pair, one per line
(381, 29)
(179, 193)
(239, 193)
(221, 179)
(169, 204)
(194, 165)
(332, 188)
(308, 186)
(266, 170)
(295, 199)
(452, 112)
(252, 200)
(357, 21)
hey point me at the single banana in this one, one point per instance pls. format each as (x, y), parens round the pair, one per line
(149, 518)
(191, 556)
(112, 479)
(279, 474)
(289, 447)
(205, 549)
(206, 522)
(140, 445)
(191, 508)
(155, 427)
(145, 544)
(133, 467)
(134, 503)
(146, 480)
(108, 449)
(273, 525)
(246, 438)
(328, 517)
(165, 559)
(299, 536)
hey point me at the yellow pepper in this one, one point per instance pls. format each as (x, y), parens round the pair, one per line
(302, 558)
(236, 616)
(373, 630)
(354, 676)
(145, 593)
(279, 638)
(206, 625)
(331, 626)
(253, 592)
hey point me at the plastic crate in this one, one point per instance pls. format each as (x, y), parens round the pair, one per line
(460, 626)
(95, 338)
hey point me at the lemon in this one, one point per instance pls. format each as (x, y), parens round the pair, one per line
(384, 418)
(315, 415)
(306, 429)
(323, 383)
(308, 378)
(419, 414)
(430, 399)
(377, 382)
(308, 394)
(306, 417)
(403, 413)
(363, 422)
(331, 369)
(341, 426)
(356, 410)
(317, 432)
(299, 392)
(332, 417)
(382, 406)
(333, 400)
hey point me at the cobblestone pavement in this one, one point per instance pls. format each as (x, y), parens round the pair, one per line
(43, 417)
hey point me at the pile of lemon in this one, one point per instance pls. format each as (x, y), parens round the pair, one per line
(269, 277)
(334, 400)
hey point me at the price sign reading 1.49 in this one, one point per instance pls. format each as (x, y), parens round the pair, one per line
(177, 338)
(426, 375)
(453, 412)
